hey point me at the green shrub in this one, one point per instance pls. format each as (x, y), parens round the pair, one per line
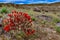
(56, 20)
(4, 10)
(57, 29)
(33, 19)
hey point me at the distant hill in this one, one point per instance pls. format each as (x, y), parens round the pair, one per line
(11, 4)
(49, 7)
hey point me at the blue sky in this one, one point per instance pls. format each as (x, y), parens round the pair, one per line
(28, 1)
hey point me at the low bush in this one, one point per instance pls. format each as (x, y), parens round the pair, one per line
(4, 10)
(33, 18)
(20, 23)
(56, 20)
(57, 29)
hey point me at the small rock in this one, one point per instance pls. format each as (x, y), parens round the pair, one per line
(37, 10)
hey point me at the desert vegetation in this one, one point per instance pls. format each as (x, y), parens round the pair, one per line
(29, 22)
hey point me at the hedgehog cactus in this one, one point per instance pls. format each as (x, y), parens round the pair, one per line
(18, 21)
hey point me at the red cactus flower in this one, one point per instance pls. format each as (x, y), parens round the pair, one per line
(33, 31)
(30, 21)
(12, 24)
(27, 16)
(15, 14)
(27, 33)
(19, 18)
(13, 11)
(30, 32)
(10, 15)
(7, 28)
(10, 20)
(16, 19)
(20, 13)
(5, 20)
(13, 28)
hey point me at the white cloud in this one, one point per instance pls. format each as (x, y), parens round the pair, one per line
(40, 1)
(46, 1)
(19, 3)
(4, 2)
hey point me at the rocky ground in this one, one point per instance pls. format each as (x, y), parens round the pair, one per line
(46, 21)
